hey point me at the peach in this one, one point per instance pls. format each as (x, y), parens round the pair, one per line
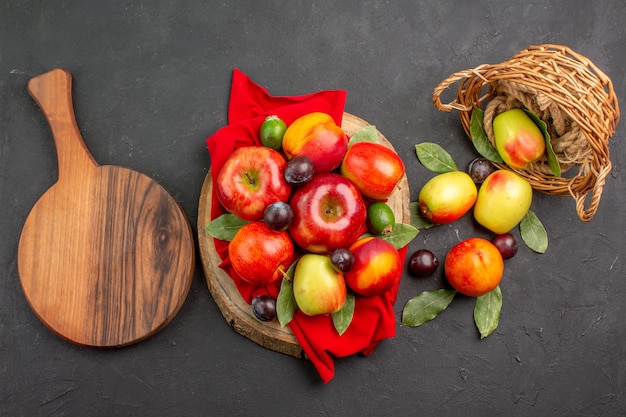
(377, 266)
(316, 136)
(474, 267)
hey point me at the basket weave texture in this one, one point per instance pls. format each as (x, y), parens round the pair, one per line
(569, 93)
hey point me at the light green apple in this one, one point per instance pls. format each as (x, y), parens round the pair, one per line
(503, 200)
(518, 139)
(317, 286)
(447, 197)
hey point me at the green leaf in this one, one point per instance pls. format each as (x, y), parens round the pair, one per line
(533, 233)
(435, 158)
(487, 312)
(553, 162)
(426, 306)
(479, 138)
(365, 134)
(417, 220)
(343, 318)
(225, 226)
(286, 305)
(401, 235)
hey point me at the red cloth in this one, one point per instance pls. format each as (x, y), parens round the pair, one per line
(374, 317)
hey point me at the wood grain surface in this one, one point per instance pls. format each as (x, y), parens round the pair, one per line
(106, 255)
(235, 310)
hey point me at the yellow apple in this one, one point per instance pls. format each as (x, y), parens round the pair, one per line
(447, 197)
(518, 139)
(503, 200)
(317, 286)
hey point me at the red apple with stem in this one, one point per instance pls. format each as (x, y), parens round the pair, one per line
(251, 179)
(260, 255)
(329, 213)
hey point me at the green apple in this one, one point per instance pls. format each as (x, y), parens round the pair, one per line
(317, 286)
(447, 197)
(503, 200)
(518, 139)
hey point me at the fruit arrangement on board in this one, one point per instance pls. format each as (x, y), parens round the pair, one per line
(308, 209)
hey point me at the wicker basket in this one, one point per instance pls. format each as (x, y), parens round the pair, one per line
(569, 93)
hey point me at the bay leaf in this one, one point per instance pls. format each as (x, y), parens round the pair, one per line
(286, 305)
(225, 226)
(533, 233)
(417, 220)
(553, 162)
(487, 312)
(479, 138)
(343, 318)
(435, 158)
(365, 134)
(426, 306)
(401, 235)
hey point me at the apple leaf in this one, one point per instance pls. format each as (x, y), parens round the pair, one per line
(417, 220)
(487, 312)
(553, 162)
(435, 158)
(365, 134)
(533, 233)
(286, 305)
(401, 235)
(426, 306)
(225, 226)
(343, 318)
(479, 138)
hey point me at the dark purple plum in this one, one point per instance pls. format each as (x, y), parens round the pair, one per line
(299, 170)
(423, 263)
(278, 216)
(506, 244)
(479, 169)
(264, 307)
(342, 259)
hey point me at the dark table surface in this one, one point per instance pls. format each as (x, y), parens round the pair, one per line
(151, 82)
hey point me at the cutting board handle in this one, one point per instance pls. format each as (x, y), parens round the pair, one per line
(52, 91)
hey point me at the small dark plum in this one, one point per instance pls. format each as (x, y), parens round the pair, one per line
(479, 169)
(506, 244)
(278, 216)
(423, 262)
(299, 170)
(264, 307)
(342, 259)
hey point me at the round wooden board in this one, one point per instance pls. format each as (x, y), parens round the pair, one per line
(235, 310)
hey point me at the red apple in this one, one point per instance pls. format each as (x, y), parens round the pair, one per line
(251, 179)
(474, 267)
(316, 136)
(328, 213)
(260, 255)
(374, 168)
(377, 266)
(317, 286)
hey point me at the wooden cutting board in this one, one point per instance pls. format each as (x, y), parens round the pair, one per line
(235, 310)
(106, 255)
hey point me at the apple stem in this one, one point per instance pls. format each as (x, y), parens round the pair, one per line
(284, 274)
(250, 179)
